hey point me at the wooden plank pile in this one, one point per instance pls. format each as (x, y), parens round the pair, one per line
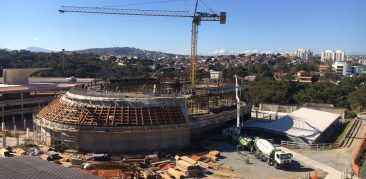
(188, 167)
(213, 155)
(4, 152)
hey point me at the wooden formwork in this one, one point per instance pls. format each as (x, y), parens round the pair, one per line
(113, 115)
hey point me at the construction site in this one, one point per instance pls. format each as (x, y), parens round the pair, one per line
(169, 127)
(105, 116)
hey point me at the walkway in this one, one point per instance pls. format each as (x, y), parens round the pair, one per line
(332, 173)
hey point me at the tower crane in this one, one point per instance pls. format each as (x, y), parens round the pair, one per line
(197, 17)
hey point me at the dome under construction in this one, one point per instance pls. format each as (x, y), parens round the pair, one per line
(129, 115)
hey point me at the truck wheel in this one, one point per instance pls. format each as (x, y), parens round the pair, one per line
(270, 163)
(276, 165)
(263, 158)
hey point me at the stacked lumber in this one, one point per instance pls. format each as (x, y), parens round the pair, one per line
(213, 155)
(188, 167)
(161, 163)
(196, 157)
(215, 166)
(189, 160)
(165, 176)
(4, 152)
(19, 152)
(148, 174)
(175, 173)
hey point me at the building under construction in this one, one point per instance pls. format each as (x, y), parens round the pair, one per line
(130, 115)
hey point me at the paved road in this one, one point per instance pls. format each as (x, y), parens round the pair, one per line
(332, 173)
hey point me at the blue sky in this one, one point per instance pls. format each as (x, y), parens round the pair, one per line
(263, 25)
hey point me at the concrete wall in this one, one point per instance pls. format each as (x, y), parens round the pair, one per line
(112, 142)
(277, 108)
(289, 109)
(115, 139)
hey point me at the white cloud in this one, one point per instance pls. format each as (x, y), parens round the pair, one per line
(35, 39)
(222, 52)
(55, 50)
(250, 51)
(258, 51)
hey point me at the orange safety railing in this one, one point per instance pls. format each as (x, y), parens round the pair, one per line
(358, 153)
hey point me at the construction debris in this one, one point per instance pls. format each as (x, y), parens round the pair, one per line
(148, 174)
(165, 176)
(214, 166)
(19, 152)
(76, 162)
(175, 173)
(4, 152)
(52, 155)
(149, 166)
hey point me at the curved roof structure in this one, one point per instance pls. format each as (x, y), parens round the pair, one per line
(19, 75)
(75, 113)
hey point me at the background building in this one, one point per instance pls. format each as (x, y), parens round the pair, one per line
(330, 55)
(304, 54)
(339, 55)
(21, 96)
(215, 75)
(342, 68)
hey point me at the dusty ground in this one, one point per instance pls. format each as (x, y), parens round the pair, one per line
(255, 168)
(340, 159)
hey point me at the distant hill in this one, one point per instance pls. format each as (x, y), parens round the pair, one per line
(126, 51)
(38, 49)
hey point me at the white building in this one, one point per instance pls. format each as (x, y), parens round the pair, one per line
(304, 54)
(342, 68)
(362, 61)
(215, 75)
(339, 55)
(334, 56)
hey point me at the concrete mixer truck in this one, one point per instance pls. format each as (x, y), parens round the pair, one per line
(266, 152)
(262, 149)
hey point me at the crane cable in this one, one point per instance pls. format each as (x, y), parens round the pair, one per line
(144, 3)
(207, 6)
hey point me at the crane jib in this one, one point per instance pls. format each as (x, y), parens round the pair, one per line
(197, 18)
(203, 16)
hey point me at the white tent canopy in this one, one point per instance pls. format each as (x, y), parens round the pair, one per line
(304, 123)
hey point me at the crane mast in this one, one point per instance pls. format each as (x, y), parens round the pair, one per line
(197, 18)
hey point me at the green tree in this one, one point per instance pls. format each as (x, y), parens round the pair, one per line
(357, 99)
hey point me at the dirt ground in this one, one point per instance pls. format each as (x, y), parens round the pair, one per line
(255, 169)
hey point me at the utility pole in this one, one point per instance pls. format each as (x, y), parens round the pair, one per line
(237, 105)
(63, 61)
